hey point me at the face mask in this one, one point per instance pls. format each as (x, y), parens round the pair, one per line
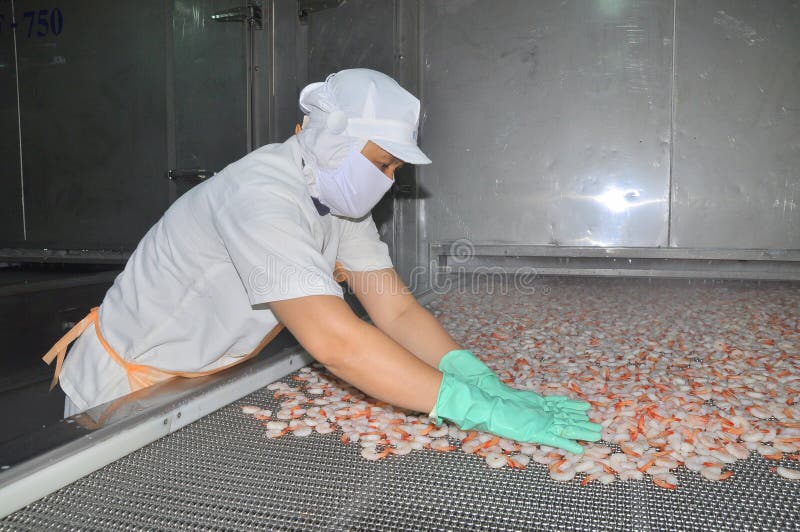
(354, 188)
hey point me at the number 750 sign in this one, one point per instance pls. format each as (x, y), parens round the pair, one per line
(39, 23)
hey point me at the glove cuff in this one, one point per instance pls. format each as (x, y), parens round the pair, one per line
(463, 364)
(432, 415)
(445, 391)
(462, 403)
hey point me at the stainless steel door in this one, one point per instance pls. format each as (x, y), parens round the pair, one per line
(209, 90)
(91, 102)
(736, 170)
(100, 100)
(11, 228)
(548, 122)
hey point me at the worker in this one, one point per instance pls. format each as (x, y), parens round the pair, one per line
(256, 247)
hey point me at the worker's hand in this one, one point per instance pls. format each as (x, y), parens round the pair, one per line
(467, 367)
(470, 407)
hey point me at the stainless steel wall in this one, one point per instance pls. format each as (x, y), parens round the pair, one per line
(93, 124)
(11, 229)
(590, 123)
(736, 171)
(367, 34)
(550, 123)
(288, 68)
(122, 93)
(209, 128)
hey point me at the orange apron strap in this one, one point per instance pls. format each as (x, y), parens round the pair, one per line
(140, 375)
(267, 339)
(339, 273)
(59, 349)
(113, 354)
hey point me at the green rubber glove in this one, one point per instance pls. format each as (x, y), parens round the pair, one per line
(470, 407)
(467, 367)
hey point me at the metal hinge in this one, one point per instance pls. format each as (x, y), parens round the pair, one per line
(402, 190)
(250, 14)
(306, 7)
(191, 173)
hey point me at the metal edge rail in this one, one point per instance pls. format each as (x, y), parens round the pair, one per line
(499, 249)
(40, 476)
(488, 272)
(176, 404)
(58, 284)
(64, 255)
(487, 259)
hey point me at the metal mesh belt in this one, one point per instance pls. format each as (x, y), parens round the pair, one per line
(221, 472)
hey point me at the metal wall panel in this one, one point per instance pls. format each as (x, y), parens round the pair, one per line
(358, 34)
(93, 115)
(406, 205)
(11, 222)
(289, 70)
(548, 122)
(736, 171)
(210, 125)
(210, 110)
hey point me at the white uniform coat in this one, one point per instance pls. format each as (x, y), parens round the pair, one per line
(185, 300)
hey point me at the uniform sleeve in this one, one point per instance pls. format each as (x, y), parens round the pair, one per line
(360, 247)
(273, 250)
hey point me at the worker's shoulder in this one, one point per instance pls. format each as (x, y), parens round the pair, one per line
(267, 179)
(270, 164)
(272, 171)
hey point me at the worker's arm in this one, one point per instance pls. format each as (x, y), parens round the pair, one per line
(395, 311)
(358, 352)
(368, 359)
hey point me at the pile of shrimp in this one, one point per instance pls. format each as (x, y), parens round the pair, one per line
(679, 375)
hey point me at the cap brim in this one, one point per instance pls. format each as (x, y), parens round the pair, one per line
(304, 94)
(408, 153)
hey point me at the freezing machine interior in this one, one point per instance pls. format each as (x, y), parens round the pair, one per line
(613, 193)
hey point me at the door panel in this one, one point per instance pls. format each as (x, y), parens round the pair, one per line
(11, 230)
(119, 95)
(93, 120)
(736, 175)
(548, 122)
(210, 73)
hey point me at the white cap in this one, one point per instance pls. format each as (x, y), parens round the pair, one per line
(369, 105)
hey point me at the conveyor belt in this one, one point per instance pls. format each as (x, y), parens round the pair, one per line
(221, 472)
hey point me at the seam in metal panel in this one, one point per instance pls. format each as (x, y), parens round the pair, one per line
(672, 121)
(397, 50)
(169, 89)
(19, 125)
(420, 213)
(248, 38)
(272, 122)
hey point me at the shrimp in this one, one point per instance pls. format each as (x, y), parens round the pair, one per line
(372, 454)
(302, 432)
(661, 482)
(440, 432)
(670, 398)
(785, 472)
(441, 445)
(495, 460)
(324, 428)
(276, 425)
(562, 476)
